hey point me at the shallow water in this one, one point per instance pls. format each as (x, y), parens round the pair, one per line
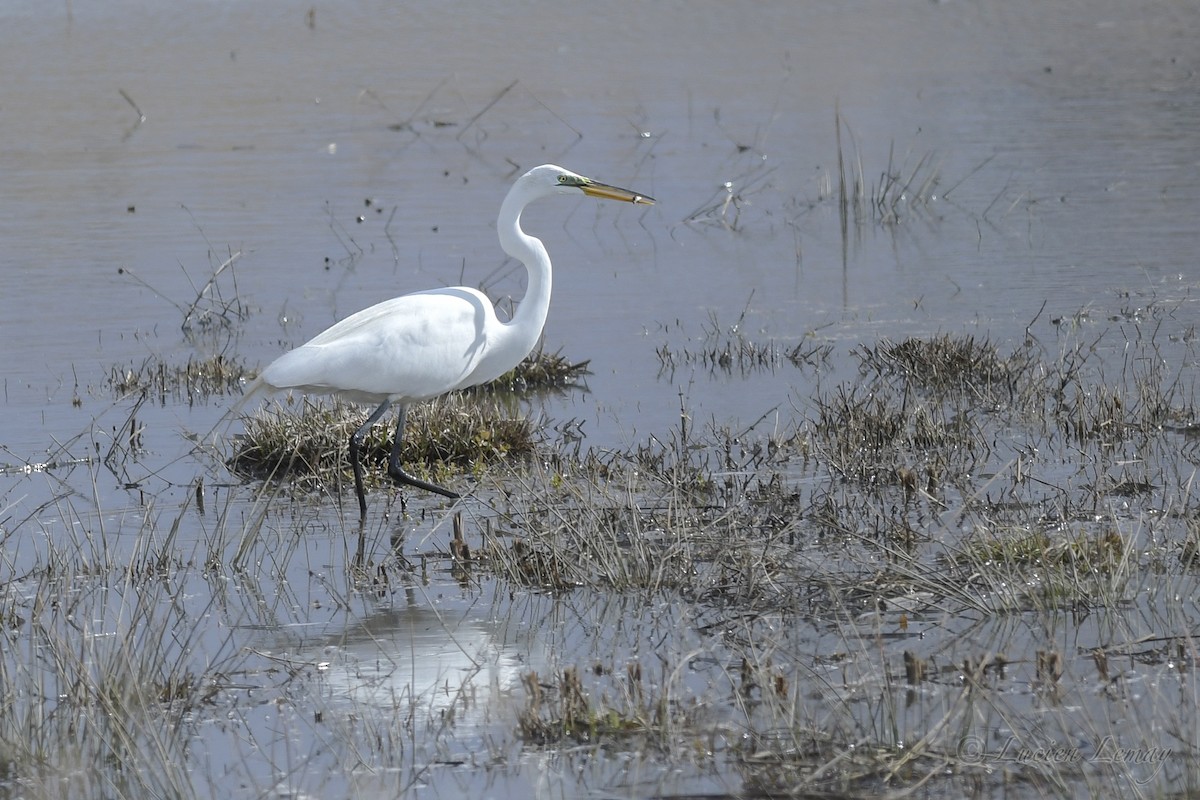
(362, 152)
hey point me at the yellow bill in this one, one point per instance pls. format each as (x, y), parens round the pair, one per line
(593, 189)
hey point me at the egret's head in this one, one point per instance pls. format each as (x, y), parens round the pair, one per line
(557, 180)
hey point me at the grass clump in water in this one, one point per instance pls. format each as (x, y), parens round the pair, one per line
(566, 710)
(459, 432)
(538, 372)
(729, 349)
(198, 379)
(872, 436)
(451, 434)
(1021, 569)
(946, 364)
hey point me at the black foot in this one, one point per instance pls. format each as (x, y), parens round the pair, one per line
(402, 478)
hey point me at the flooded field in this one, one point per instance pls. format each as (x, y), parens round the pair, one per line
(878, 483)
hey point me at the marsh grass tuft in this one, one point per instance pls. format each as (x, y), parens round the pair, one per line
(539, 371)
(1015, 569)
(729, 349)
(876, 436)
(195, 381)
(946, 365)
(460, 432)
(898, 191)
(573, 714)
(451, 434)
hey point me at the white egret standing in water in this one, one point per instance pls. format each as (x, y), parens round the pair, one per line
(424, 344)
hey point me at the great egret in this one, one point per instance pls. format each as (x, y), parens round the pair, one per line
(424, 344)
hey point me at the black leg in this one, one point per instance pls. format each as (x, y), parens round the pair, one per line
(361, 555)
(355, 462)
(396, 471)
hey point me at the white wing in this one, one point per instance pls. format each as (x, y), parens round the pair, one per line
(406, 349)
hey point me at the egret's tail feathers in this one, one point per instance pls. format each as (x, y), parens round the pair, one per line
(254, 389)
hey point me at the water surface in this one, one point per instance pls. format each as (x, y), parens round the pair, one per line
(360, 150)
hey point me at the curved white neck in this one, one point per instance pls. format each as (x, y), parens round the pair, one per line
(525, 328)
